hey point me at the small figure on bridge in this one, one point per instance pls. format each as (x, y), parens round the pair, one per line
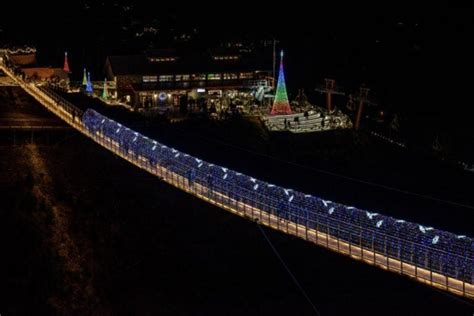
(210, 181)
(191, 176)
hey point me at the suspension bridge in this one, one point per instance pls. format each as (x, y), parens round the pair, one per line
(434, 257)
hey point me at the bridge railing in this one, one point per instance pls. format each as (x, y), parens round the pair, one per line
(413, 259)
(416, 259)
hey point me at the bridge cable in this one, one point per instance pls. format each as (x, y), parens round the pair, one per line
(293, 277)
(334, 174)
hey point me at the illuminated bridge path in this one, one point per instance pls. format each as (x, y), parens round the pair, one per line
(433, 257)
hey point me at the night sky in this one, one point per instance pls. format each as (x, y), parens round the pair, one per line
(408, 53)
(416, 58)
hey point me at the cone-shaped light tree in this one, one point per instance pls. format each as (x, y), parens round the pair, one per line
(84, 78)
(66, 64)
(105, 92)
(89, 88)
(281, 105)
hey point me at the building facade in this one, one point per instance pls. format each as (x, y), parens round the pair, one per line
(167, 77)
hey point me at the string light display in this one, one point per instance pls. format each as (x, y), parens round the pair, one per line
(89, 88)
(281, 105)
(84, 78)
(66, 64)
(426, 247)
(105, 92)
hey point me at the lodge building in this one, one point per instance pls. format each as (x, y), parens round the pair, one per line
(166, 76)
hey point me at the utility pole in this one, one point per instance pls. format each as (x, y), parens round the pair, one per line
(329, 90)
(364, 92)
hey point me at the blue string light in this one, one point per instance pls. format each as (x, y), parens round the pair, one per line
(437, 250)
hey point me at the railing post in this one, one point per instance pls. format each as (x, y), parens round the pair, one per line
(307, 225)
(416, 262)
(327, 236)
(373, 248)
(400, 256)
(350, 243)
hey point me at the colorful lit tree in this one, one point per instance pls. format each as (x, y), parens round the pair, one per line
(281, 105)
(66, 64)
(105, 92)
(84, 78)
(89, 88)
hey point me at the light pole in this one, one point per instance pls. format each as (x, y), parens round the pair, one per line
(274, 63)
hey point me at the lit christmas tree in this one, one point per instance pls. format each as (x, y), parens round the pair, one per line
(105, 93)
(66, 64)
(89, 88)
(84, 78)
(281, 105)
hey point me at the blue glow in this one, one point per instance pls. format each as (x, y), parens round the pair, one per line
(371, 215)
(427, 247)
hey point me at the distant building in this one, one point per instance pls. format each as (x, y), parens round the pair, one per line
(166, 76)
(45, 73)
(25, 60)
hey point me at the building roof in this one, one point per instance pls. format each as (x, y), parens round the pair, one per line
(172, 62)
(44, 73)
(24, 59)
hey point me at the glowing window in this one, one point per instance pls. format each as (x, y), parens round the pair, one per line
(246, 75)
(214, 77)
(166, 78)
(150, 78)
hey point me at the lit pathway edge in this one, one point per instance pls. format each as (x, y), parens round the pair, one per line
(319, 237)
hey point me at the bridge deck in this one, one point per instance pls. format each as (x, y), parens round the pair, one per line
(21, 112)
